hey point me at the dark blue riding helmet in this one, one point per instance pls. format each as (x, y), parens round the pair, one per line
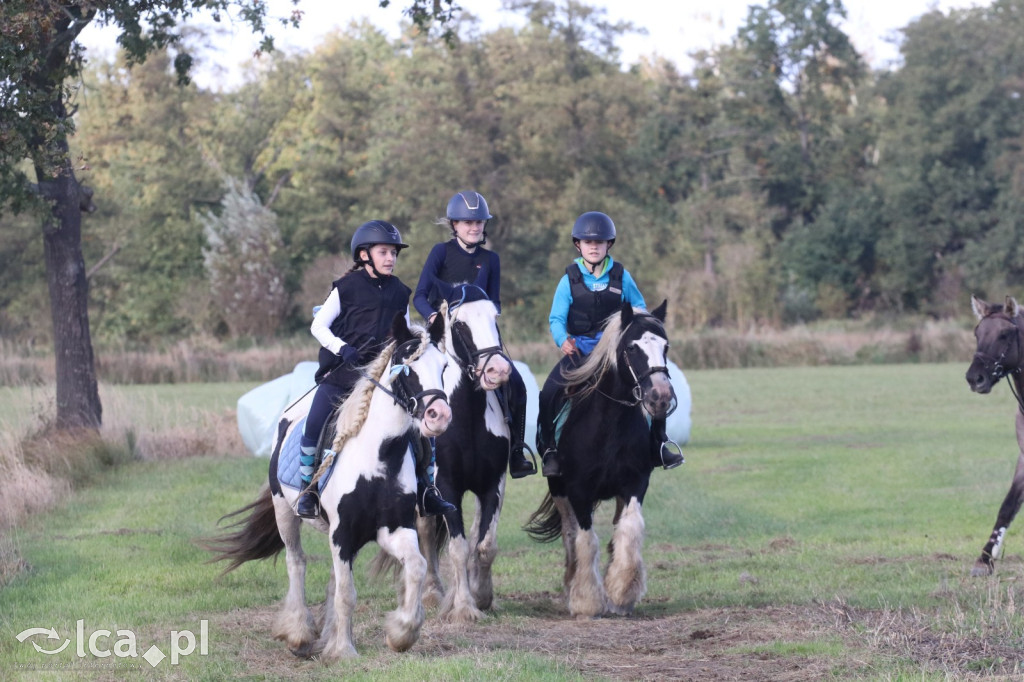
(595, 226)
(468, 205)
(375, 232)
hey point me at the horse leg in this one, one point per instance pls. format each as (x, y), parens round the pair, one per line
(570, 529)
(427, 531)
(985, 565)
(481, 579)
(587, 598)
(402, 626)
(336, 636)
(626, 578)
(294, 623)
(458, 605)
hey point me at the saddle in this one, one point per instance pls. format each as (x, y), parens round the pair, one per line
(288, 458)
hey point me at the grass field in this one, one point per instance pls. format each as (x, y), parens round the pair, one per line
(823, 527)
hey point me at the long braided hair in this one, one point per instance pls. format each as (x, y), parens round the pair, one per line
(356, 407)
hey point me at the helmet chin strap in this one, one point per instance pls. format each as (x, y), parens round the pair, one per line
(373, 266)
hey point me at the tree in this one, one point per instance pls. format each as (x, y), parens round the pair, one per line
(243, 260)
(39, 57)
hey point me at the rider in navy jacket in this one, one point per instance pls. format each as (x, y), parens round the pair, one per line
(353, 326)
(459, 260)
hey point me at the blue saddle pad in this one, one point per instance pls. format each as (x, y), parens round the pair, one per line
(288, 461)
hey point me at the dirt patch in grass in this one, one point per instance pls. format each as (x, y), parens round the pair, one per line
(829, 641)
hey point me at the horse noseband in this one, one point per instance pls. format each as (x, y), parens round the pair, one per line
(638, 391)
(418, 404)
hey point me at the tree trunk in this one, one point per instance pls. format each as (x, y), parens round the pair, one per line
(78, 398)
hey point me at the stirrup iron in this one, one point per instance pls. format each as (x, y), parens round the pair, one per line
(672, 448)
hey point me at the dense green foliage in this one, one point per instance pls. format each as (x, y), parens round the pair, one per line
(779, 181)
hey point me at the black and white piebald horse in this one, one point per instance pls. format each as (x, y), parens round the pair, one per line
(370, 495)
(604, 451)
(1000, 353)
(472, 456)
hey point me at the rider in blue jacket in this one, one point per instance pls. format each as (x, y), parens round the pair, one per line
(593, 287)
(459, 260)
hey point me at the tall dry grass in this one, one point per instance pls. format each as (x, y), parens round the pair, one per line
(839, 343)
(200, 360)
(39, 466)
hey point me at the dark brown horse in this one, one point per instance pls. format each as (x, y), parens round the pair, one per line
(1000, 353)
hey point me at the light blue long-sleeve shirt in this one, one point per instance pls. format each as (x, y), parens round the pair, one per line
(563, 301)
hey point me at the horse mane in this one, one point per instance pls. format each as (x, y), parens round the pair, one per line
(582, 381)
(356, 407)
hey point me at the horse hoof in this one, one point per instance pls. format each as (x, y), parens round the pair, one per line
(306, 651)
(982, 570)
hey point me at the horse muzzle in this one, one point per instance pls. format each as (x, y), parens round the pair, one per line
(436, 418)
(494, 371)
(659, 399)
(980, 379)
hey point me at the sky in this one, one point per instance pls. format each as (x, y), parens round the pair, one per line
(675, 28)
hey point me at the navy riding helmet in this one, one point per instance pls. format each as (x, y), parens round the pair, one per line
(595, 226)
(375, 232)
(468, 205)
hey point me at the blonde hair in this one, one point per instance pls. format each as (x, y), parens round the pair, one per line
(600, 360)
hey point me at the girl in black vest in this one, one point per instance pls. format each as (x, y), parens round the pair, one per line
(459, 260)
(353, 326)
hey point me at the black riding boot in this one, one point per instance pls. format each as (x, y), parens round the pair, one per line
(308, 504)
(518, 465)
(427, 495)
(545, 445)
(667, 452)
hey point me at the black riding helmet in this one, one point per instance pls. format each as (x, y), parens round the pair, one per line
(375, 232)
(594, 226)
(468, 205)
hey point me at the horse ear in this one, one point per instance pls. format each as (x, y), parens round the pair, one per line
(400, 329)
(436, 330)
(626, 314)
(1012, 309)
(444, 288)
(659, 312)
(980, 307)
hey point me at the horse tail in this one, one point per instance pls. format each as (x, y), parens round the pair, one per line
(545, 524)
(382, 565)
(256, 537)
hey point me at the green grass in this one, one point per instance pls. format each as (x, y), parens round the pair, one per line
(874, 487)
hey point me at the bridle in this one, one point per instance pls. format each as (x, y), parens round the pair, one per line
(467, 358)
(416, 404)
(637, 391)
(999, 370)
